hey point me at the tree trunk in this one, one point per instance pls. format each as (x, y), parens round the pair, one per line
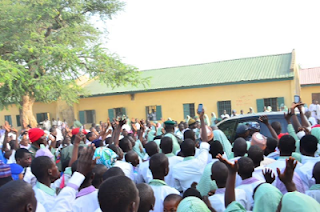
(26, 114)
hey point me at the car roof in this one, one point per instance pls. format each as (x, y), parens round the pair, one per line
(254, 115)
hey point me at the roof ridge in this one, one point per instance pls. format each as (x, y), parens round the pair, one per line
(309, 68)
(220, 61)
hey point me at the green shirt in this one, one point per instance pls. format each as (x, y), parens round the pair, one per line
(175, 144)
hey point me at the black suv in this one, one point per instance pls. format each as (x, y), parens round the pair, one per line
(229, 126)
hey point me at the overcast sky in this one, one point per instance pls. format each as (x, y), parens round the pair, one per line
(163, 33)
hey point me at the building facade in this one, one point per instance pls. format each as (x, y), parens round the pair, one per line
(310, 84)
(175, 92)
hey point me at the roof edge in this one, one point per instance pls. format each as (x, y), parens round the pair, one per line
(190, 87)
(220, 61)
(309, 85)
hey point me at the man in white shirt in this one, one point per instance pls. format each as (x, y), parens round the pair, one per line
(249, 183)
(159, 166)
(314, 190)
(9, 193)
(256, 155)
(118, 194)
(191, 168)
(87, 197)
(219, 173)
(166, 147)
(144, 171)
(313, 108)
(46, 172)
(311, 119)
(308, 147)
(225, 115)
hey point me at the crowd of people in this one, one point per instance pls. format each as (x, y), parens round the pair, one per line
(135, 165)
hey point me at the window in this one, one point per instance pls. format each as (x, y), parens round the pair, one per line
(275, 103)
(8, 119)
(153, 113)
(316, 97)
(188, 110)
(18, 120)
(228, 128)
(224, 105)
(87, 116)
(41, 117)
(116, 112)
(271, 102)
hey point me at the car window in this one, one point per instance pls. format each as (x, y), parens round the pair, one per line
(228, 128)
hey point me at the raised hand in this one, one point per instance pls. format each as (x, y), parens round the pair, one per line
(268, 175)
(287, 175)
(288, 116)
(232, 167)
(85, 162)
(264, 119)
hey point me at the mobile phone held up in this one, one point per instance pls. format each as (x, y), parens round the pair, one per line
(296, 98)
(200, 108)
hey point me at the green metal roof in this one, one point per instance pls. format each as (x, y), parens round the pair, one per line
(238, 71)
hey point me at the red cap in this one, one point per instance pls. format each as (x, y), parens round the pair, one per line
(35, 134)
(75, 131)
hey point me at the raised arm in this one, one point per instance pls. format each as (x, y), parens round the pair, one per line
(287, 176)
(295, 120)
(229, 195)
(204, 136)
(304, 120)
(265, 120)
(75, 150)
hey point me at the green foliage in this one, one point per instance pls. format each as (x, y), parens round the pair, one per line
(45, 45)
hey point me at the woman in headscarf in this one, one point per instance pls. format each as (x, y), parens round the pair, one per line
(206, 120)
(220, 136)
(192, 204)
(298, 202)
(266, 198)
(213, 119)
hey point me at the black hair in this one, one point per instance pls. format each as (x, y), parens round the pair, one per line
(166, 145)
(192, 192)
(125, 144)
(98, 171)
(215, 148)
(245, 167)
(309, 144)
(256, 155)
(271, 146)
(158, 164)
(188, 147)
(15, 196)
(20, 153)
(40, 166)
(276, 126)
(117, 193)
(189, 134)
(239, 147)
(112, 172)
(174, 197)
(220, 172)
(108, 140)
(151, 148)
(88, 135)
(64, 165)
(147, 198)
(4, 181)
(74, 166)
(287, 144)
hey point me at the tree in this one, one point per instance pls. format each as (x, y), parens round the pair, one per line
(45, 45)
